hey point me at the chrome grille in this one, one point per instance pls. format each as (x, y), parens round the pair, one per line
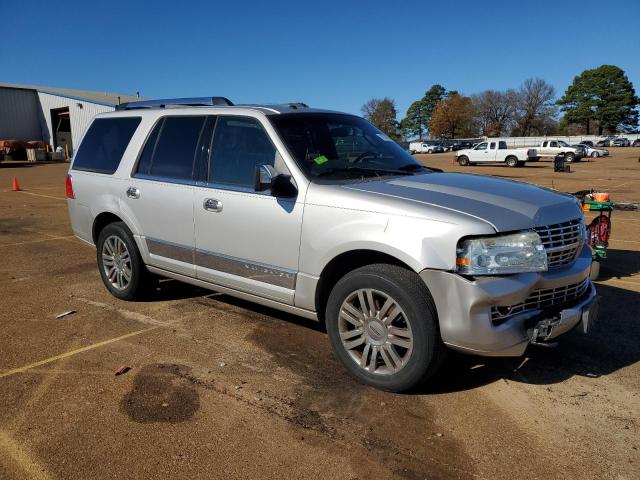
(562, 241)
(544, 298)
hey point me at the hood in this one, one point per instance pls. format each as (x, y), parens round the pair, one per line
(505, 204)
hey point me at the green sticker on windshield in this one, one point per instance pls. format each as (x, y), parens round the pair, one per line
(320, 160)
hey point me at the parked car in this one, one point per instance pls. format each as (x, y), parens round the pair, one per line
(398, 261)
(603, 143)
(588, 143)
(549, 149)
(495, 151)
(422, 147)
(441, 147)
(621, 142)
(636, 143)
(592, 151)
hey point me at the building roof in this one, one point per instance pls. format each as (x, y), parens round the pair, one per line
(103, 98)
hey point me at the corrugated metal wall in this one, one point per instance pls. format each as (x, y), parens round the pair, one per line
(80, 113)
(20, 115)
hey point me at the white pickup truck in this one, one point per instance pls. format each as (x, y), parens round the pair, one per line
(551, 148)
(495, 151)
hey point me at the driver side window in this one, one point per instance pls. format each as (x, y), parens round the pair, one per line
(239, 144)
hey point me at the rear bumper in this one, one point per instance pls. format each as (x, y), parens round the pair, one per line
(464, 307)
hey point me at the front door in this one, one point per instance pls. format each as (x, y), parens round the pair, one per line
(245, 240)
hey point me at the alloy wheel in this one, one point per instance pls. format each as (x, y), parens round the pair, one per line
(116, 262)
(375, 331)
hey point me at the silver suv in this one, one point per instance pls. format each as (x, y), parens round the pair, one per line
(320, 214)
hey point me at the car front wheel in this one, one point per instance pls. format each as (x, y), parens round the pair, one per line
(382, 324)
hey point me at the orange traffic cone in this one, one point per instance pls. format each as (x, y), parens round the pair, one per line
(16, 185)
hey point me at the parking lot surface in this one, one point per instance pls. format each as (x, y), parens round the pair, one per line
(221, 388)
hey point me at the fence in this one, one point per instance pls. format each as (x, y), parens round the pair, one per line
(533, 141)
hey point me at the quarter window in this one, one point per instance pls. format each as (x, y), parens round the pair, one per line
(171, 147)
(104, 144)
(492, 146)
(239, 144)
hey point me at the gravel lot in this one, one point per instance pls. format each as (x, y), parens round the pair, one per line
(219, 388)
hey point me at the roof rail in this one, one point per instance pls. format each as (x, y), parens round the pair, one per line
(169, 102)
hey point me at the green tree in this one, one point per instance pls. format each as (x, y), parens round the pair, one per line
(416, 123)
(602, 95)
(382, 113)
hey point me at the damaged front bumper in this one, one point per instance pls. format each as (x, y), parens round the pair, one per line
(501, 316)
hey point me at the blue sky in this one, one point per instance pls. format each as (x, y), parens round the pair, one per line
(330, 54)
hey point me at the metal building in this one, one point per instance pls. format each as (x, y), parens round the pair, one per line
(57, 116)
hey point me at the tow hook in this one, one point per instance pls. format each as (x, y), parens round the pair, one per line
(541, 332)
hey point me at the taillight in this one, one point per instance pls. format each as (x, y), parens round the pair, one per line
(69, 187)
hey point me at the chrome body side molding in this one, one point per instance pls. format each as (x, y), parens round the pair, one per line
(215, 261)
(236, 293)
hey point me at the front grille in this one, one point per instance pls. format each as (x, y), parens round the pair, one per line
(562, 241)
(544, 298)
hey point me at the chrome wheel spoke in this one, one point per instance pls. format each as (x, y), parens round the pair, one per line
(400, 342)
(374, 359)
(353, 311)
(353, 321)
(393, 355)
(365, 355)
(351, 333)
(400, 332)
(353, 343)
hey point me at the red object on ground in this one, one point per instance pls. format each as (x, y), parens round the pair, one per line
(122, 370)
(16, 185)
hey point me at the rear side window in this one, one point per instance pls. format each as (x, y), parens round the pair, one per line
(104, 143)
(170, 149)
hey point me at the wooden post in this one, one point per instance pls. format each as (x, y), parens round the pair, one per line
(66, 150)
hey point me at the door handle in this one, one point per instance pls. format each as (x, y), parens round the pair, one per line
(133, 192)
(212, 205)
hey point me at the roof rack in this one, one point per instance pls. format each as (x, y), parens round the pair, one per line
(170, 102)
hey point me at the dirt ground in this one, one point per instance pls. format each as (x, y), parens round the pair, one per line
(220, 388)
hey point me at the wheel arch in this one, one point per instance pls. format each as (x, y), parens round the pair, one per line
(101, 221)
(344, 263)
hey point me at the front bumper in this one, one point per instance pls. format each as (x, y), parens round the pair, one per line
(464, 308)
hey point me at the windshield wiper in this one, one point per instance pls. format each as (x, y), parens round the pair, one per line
(412, 167)
(376, 171)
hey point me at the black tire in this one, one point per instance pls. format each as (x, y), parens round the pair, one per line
(569, 157)
(410, 293)
(463, 161)
(595, 154)
(141, 280)
(511, 161)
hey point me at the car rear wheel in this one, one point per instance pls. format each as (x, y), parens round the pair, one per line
(511, 161)
(463, 160)
(382, 324)
(120, 264)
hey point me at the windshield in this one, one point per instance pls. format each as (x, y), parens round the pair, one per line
(335, 146)
(564, 144)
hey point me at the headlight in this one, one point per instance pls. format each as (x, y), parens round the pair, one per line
(515, 253)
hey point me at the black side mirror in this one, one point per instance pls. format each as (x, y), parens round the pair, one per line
(268, 179)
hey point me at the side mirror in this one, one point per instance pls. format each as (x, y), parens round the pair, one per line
(264, 177)
(280, 184)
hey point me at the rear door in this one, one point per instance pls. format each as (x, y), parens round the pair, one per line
(159, 194)
(245, 240)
